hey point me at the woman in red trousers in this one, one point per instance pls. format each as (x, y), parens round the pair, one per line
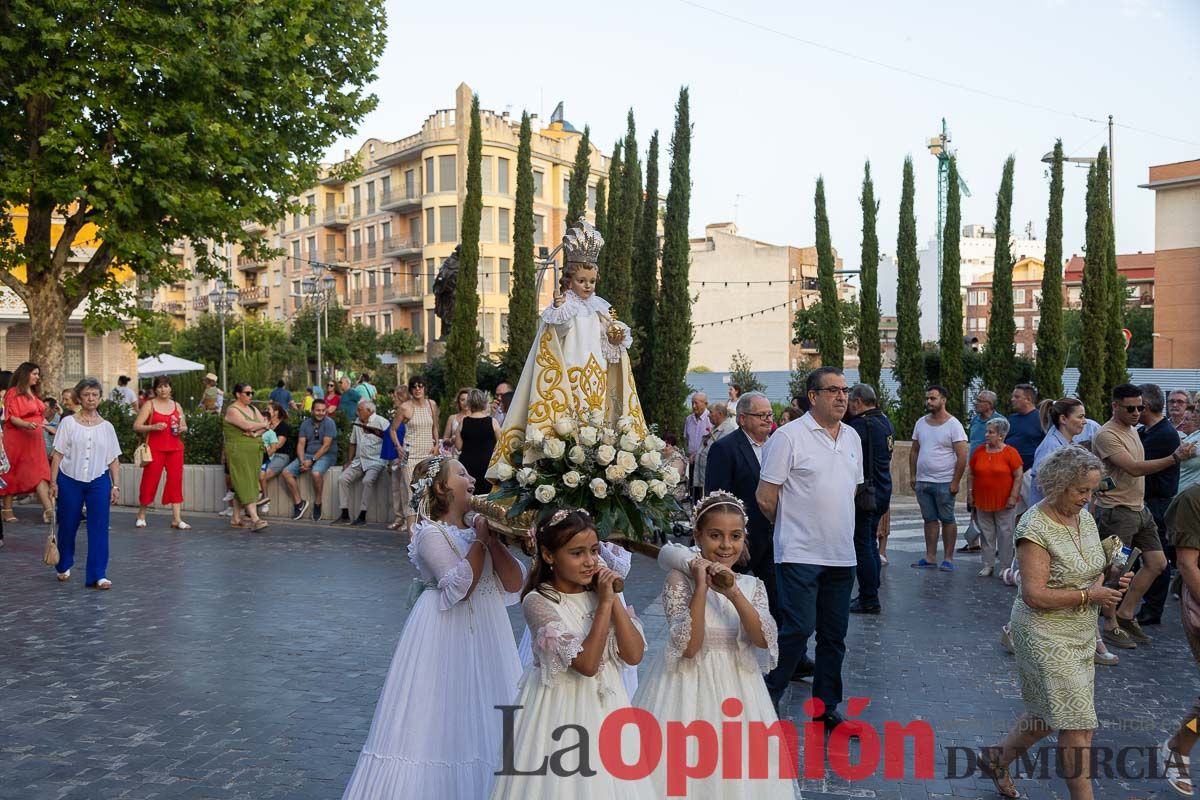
(23, 421)
(162, 420)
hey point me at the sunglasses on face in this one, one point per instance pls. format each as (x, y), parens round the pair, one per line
(1134, 409)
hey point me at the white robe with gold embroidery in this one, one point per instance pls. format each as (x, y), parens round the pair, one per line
(572, 370)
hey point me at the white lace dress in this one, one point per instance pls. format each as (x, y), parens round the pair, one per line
(552, 695)
(619, 560)
(728, 665)
(436, 733)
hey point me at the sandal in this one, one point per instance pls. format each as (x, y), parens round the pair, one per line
(63, 577)
(11, 518)
(104, 584)
(258, 526)
(139, 523)
(47, 516)
(181, 526)
(1002, 780)
(239, 525)
(1175, 767)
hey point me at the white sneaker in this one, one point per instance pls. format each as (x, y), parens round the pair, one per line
(226, 513)
(228, 496)
(985, 572)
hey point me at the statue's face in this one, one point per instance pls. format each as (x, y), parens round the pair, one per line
(583, 282)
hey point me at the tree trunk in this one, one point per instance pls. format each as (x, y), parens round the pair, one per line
(48, 331)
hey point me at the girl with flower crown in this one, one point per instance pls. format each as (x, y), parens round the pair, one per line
(582, 636)
(720, 642)
(436, 732)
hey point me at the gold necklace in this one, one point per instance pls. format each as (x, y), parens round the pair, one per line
(1075, 530)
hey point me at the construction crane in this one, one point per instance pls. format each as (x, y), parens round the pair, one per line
(939, 148)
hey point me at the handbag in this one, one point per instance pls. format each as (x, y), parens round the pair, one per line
(1191, 612)
(50, 555)
(142, 455)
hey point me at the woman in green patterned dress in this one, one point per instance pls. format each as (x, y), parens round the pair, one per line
(1054, 623)
(243, 453)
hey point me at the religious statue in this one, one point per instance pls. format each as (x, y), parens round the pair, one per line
(579, 365)
(444, 287)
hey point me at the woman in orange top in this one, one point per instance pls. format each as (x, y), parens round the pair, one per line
(995, 488)
(23, 421)
(162, 420)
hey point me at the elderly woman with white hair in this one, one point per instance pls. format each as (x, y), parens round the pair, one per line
(1053, 622)
(364, 462)
(995, 489)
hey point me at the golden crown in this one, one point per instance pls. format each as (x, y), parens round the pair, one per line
(582, 244)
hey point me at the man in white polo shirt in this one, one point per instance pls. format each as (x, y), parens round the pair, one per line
(810, 472)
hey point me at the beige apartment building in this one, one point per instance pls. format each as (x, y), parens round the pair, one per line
(384, 234)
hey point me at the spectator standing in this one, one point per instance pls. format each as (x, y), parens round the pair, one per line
(243, 428)
(1159, 439)
(348, 405)
(84, 472)
(1177, 405)
(476, 439)
(396, 454)
(810, 473)
(420, 415)
(995, 489)
(695, 428)
(985, 409)
(1122, 510)
(52, 417)
(735, 394)
(1025, 424)
(499, 404)
(316, 452)
(210, 400)
(937, 461)
(68, 401)
(279, 453)
(366, 388)
(875, 432)
(1189, 471)
(24, 417)
(281, 395)
(123, 394)
(364, 462)
(723, 423)
(162, 421)
(454, 422)
(333, 397)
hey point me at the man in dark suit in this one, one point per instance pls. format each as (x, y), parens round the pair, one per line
(734, 461)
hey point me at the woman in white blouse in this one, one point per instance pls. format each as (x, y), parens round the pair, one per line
(84, 471)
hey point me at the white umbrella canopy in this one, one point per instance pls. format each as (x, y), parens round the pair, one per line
(166, 364)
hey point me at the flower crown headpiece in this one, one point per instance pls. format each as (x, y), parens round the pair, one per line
(420, 487)
(563, 513)
(714, 499)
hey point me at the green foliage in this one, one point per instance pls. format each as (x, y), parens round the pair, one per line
(489, 375)
(612, 213)
(999, 351)
(601, 206)
(1094, 298)
(158, 124)
(798, 380)
(121, 417)
(522, 304)
(1114, 342)
(1051, 338)
(617, 275)
(256, 368)
(908, 369)
(152, 335)
(951, 318)
(645, 274)
(577, 196)
(870, 360)
(674, 313)
(1139, 321)
(204, 440)
(462, 343)
(201, 341)
(806, 326)
(741, 373)
(830, 335)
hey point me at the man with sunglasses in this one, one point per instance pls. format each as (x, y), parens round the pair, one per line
(1122, 510)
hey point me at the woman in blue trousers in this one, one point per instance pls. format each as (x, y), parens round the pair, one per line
(83, 472)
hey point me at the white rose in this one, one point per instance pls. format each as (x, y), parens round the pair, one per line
(578, 455)
(627, 461)
(615, 473)
(609, 437)
(504, 471)
(658, 488)
(637, 490)
(596, 417)
(599, 488)
(588, 436)
(535, 437)
(670, 476)
(564, 427)
(652, 442)
(651, 460)
(554, 448)
(630, 442)
(544, 493)
(625, 424)
(572, 479)
(526, 476)
(605, 454)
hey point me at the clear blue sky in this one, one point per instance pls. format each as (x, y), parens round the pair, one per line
(772, 113)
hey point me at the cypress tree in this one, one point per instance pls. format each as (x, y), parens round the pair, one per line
(522, 305)
(1051, 337)
(612, 213)
(951, 332)
(910, 364)
(645, 272)
(577, 198)
(829, 330)
(673, 319)
(601, 203)
(462, 343)
(1095, 302)
(622, 221)
(1115, 356)
(869, 357)
(999, 355)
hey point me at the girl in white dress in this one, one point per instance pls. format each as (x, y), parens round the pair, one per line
(582, 635)
(436, 732)
(719, 644)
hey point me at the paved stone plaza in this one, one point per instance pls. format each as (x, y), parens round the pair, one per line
(225, 664)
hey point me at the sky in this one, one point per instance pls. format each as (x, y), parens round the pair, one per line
(784, 92)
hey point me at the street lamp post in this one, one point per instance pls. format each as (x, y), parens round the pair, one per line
(222, 300)
(1171, 352)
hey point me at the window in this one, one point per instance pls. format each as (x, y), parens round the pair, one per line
(430, 274)
(385, 231)
(505, 225)
(447, 173)
(487, 231)
(486, 166)
(414, 324)
(371, 197)
(539, 180)
(1037, 297)
(448, 224)
(296, 254)
(330, 204)
(502, 175)
(312, 247)
(296, 223)
(487, 266)
(983, 324)
(414, 230)
(591, 199)
(311, 201)
(566, 189)
(387, 322)
(430, 325)
(971, 298)
(429, 186)
(370, 321)
(385, 187)
(1037, 323)
(504, 277)
(971, 323)
(1020, 323)
(1018, 297)
(410, 183)
(356, 200)
(429, 212)
(489, 327)
(1020, 348)
(1074, 294)
(386, 277)
(75, 366)
(983, 298)
(371, 242)
(295, 287)
(539, 229)
(371, 279)
(504, 328)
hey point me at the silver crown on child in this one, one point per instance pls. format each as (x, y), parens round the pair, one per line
(582, 244)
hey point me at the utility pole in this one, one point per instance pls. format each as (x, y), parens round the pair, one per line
(939, 148)
(1112, 177)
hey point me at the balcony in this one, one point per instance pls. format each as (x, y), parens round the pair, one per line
(337, 218)
(254, 226)
(247, 264)
(200, 303)
(253, 296)
(399, 201)
(403, 290)
(334, 258)
(174, 308)
(397, 246)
